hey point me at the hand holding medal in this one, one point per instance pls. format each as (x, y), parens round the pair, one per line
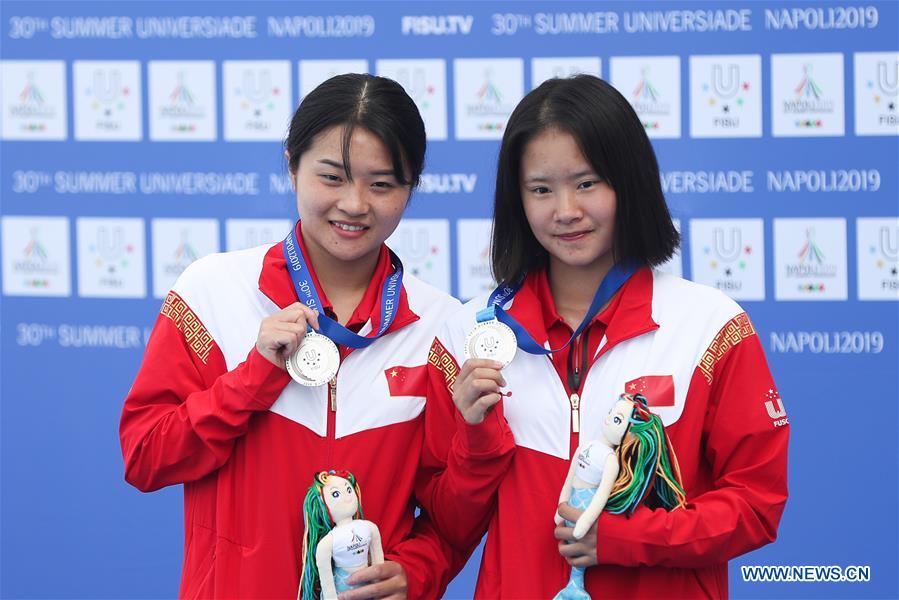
(281, 333)
(478, 388)
(316, 359)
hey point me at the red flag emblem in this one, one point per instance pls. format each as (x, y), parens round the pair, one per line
(407, 381)
(658, 389)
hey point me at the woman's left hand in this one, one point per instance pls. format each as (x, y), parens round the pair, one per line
(578, 552)
(387, 580)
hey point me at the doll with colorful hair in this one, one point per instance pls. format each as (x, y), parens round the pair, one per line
(337, 540)
(631, 464)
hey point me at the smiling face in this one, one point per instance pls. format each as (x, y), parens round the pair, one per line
(569, 207)
(340, 497)
(614, 426)
(347, 220)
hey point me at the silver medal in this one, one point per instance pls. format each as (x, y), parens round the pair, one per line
(491, 340)
(315, 362)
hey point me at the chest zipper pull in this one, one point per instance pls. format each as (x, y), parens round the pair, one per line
(575, 401)
(332, 393)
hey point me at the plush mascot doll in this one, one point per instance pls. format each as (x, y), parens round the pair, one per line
(337, 540)
(632, 463)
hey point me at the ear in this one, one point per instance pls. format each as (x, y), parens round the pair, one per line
(290, 172)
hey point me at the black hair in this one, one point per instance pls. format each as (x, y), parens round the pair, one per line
(614, 142)
(353, 100)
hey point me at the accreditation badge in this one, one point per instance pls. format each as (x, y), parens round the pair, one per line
(492, 340)
(315, 362)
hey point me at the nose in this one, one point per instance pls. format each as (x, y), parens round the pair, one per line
(353, 201)
(568, 208)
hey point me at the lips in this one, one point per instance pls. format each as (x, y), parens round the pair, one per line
(349, 226)
(573, 236)
(348, 229)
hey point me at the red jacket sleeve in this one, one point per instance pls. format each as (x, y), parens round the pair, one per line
(429, 562)
(185, 409)
(745, 449)
(462, 465)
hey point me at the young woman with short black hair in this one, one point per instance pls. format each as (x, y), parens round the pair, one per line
(580, 223)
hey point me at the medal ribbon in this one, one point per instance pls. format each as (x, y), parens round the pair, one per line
(611, 283)
(308, 295)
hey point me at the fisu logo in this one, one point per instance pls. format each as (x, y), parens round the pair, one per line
(888, 77)
(110, 244)
(416, 244)
(732, 258)
(775, 408)
(257, 85)
(889, 243)
(728, 242)
(415, 82)
(726, 84)
(107, 85)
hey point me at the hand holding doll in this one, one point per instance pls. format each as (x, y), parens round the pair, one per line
(338, 541)
(631, 463)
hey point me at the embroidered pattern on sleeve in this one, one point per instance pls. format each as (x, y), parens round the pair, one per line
(445, 363)
(734, 331)
(189, 324)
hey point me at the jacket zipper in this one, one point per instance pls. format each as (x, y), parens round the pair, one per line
(577, 371)
(332, 421)
(575, 401)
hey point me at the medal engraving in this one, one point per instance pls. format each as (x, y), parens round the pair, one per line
(491, 340)
(315, 362)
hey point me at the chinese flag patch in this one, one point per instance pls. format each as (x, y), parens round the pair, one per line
(407, 381)
(658, 389)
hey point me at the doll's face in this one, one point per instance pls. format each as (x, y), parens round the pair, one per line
(615, 424)
(340, 497)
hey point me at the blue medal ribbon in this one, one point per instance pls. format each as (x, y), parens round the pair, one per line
(308, 295)
(611, 283)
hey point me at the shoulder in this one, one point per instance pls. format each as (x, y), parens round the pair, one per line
(221, 270)
(454, 329)
(675, 299)
(425, 299)
(221, 267)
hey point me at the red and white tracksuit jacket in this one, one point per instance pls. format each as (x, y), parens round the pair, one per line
(207, 410)
(696, 356)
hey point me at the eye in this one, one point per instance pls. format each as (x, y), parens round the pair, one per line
(383, 185)
(586, 185)
(540, 190)
(331, 178)
(349, 490)
(335, 494)
(617, 420)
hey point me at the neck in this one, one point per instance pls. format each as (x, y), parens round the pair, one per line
(345, 521)
(605, 442)
(343, 282)
(573, 287)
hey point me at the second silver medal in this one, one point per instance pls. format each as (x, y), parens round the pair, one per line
(492, 340)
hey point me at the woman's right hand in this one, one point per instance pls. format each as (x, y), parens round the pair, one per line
(478, 388)
(280, 333)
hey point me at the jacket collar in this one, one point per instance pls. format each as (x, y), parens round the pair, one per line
(628, 315)
(275, 283)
